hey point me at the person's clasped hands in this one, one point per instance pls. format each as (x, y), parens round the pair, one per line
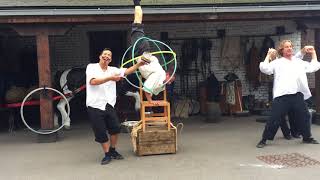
(272, 53)
(308, 49)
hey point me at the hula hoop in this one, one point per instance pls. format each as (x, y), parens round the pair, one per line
(24, 100)
(153, 53)
(158, 52)
(133, 59)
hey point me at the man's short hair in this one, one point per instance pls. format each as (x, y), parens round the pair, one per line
(106, 49)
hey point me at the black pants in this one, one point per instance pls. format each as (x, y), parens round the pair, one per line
(293, 130)
(143, 45)
(280, 107)
(103, 121)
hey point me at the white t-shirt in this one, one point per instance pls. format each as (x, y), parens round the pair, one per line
(153, 67)
(290, 75)
(154, 75)
(99, 95)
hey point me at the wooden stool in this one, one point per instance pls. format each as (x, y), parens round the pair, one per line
(155, 119)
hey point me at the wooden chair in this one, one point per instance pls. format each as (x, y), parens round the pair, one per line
(155, 119)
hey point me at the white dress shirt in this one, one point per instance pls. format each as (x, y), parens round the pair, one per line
(290, 75)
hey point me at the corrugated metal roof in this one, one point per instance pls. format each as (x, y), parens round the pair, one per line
(81, 3)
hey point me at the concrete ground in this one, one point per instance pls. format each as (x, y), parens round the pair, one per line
(222, 151)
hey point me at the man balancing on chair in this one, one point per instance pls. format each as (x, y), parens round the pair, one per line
(152, 72)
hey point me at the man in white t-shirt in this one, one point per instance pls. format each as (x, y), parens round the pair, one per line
(101, 97)
(290, 89)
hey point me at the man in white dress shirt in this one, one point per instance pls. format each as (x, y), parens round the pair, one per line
(290, 89)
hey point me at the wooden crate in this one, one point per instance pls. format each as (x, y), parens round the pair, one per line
(157, 140)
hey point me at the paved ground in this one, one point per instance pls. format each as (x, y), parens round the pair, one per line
(224, 150)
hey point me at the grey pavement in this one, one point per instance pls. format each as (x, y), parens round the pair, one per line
(222, 151)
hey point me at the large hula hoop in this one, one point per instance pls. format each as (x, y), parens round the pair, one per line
(24, 100)
(133, 59)
(153, 53)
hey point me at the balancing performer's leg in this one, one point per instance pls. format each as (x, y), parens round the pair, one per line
(137, 31)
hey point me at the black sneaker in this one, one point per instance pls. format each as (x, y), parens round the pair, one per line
(288, 137)
(297, 136)
(136, 2)
(115, 155)
(106, 160)
(261, 144)
(310, 141)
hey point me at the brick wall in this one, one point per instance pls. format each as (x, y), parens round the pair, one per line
(72, 49)
(232, 29)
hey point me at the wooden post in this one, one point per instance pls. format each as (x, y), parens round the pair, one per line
(44, 79)
(42, 32)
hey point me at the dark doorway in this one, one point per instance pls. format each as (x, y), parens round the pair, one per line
(116, 40)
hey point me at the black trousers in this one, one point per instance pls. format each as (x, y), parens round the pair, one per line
(280, 107)
(293, 130)
(103, 122)
(143, 45)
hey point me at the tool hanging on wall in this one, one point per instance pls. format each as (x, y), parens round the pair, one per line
(189, 52)
(251, 68)
(267, 43)
(205, 46)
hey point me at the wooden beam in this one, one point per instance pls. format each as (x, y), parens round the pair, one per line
(34, 30)
(46, 107)
(125, 18)
(311, 23)
(317, 77)
(269, 15)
